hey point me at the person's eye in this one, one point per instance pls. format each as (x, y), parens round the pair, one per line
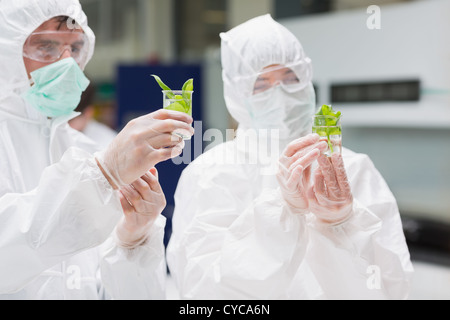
(291, 80)
(260, 86)
(259, 89)
(46, 48)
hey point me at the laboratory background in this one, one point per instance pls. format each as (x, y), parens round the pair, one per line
(384, 64)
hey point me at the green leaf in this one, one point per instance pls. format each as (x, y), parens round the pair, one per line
(188, 85)
(326, 110)
(183, 101)
(163, 86)
(179, 99)
(327, 127)
(334, 131)
(176, 106)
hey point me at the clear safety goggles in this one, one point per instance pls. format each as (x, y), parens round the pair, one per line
(49, 46)
(277, 76)
(292, 77)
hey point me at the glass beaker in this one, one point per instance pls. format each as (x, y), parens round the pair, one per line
(181, 101)
(329, 129)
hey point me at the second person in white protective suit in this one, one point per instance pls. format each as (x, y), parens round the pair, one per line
(75, 222)
(313, 228)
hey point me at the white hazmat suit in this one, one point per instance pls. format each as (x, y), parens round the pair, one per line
(233, 235)
(57, 210)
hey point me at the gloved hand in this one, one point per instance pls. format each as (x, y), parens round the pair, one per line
(142, 203)
(295, 170)
(330, 198)
(144, 142)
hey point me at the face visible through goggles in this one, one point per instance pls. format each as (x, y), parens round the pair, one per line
(276, 75)
(49, 46)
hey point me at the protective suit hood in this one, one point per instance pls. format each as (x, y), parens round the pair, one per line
(249, 48)
(18, 19)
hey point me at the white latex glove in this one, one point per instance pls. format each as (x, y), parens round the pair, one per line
(295, 170)
(144, 142)
(142, 203)
(331, 199)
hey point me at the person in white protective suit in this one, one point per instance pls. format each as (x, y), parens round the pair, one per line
(75, 222)
(313, 228)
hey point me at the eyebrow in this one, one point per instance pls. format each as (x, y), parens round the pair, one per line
(289, 71)
(49, 41)
(81, 42)
(45, 41)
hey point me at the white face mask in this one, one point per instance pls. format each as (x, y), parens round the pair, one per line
(289, 112)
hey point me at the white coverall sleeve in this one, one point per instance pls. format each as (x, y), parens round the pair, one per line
(72, 209)
(231, 252)
(366, 257)
(142, 270)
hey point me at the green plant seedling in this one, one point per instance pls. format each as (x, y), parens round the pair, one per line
(183, 102)
(327, 126)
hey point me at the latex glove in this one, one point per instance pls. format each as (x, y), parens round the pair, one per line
(144, 142)
(330, 198)
(294, 170)
(142, 203)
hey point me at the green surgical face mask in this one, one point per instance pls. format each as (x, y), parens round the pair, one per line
(57, 88)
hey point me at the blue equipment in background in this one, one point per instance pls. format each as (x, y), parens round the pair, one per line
(138, 94)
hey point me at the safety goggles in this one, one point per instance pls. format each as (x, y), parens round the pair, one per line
(49, 46)
(277, 76)
(292, 77)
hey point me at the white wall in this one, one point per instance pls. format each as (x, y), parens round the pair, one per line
(351, 4)
(215, 112)
(239, 11)
(412, 42)
(408, 142)
(149, 30)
